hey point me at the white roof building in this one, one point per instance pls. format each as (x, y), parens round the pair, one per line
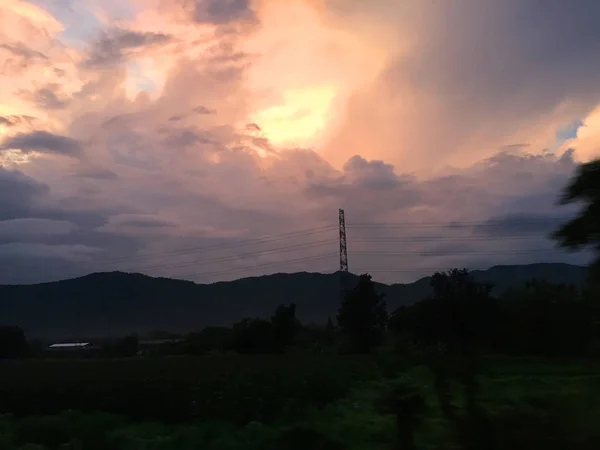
(69, 345)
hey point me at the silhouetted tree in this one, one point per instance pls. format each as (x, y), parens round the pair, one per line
(330, 331)
(13, 343)
(266, 336)
(330, 326)
(210, 338)
(548, 319)
(584, 230)
(253, 336)
(459, 314)
(284, 327)
(362, 316)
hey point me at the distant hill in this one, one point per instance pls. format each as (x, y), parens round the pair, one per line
(116, 303)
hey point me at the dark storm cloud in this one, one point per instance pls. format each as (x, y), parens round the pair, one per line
(222, 12)
(19, 194)
(113, 46)
(42, 141)
(42, 239)
(15, 230)
(494, 49)
(516, 224)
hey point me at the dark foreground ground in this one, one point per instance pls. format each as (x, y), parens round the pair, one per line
(286, 402)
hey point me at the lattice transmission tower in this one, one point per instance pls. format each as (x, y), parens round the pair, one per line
(343, 245)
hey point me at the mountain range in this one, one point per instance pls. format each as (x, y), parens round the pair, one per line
(116, 303)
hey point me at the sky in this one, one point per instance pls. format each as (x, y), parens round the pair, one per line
(216, 139)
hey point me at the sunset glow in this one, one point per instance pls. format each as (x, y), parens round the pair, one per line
(155, 125)
(300, 119)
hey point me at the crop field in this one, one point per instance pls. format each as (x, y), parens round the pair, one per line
(238, 389)
(284, 402)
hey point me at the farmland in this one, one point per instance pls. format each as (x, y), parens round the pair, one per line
(292, 401)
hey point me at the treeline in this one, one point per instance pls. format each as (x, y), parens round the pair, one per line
(540, 318)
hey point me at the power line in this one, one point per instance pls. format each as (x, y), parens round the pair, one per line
(264, 266)
(517, 252)
(417, 270)
(457, 224)
(260, 240)
(243, 255)
(392, 239)
(327, 228)
(226, 246)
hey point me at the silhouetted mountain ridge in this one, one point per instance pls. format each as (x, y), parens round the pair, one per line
(117, 303)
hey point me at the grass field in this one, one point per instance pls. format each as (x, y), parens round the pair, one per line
(291, 402)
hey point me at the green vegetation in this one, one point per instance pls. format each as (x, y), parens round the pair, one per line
(531, 403)
(237, 389)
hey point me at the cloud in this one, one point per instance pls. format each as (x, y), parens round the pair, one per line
(32, 228)
(209, 127)
(21, 50)
(221, 12)
(29, 250)
(114, 46)
(42, 141)
(48, 97)
(462, 80)
(14, 120)
(371, 174)
(203, 110)
(18, 194)
(97, 173)
(586, 142)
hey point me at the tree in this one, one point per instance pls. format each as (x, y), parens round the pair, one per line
(548, 319)
(209, 339)
(362, 316)
(584, 230)
(461, 310)
(284, 325)
(253, 336)
(13, 343)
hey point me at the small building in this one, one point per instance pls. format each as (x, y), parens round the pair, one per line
(72, 349)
